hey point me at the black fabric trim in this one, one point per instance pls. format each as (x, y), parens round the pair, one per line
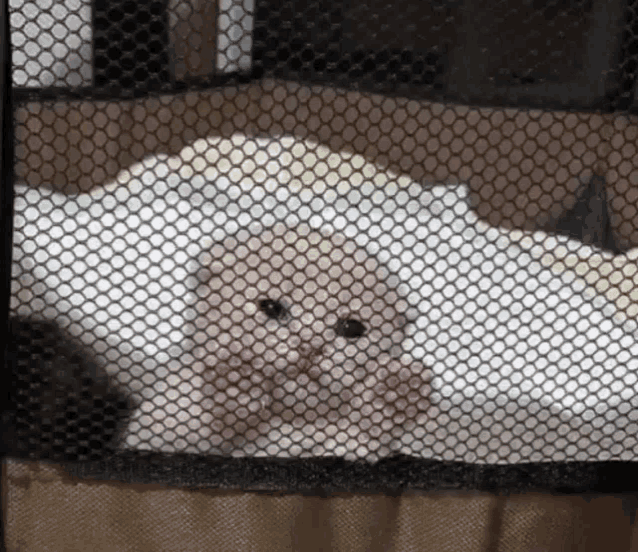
(329, 475)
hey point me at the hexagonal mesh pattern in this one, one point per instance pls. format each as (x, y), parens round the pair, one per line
(52, 43)
(281, 270)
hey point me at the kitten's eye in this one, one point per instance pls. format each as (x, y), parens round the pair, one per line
(272, 309)
(350, 328)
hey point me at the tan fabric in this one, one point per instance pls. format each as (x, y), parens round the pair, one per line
(46, 510)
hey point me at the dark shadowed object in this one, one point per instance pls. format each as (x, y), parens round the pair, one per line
(62, 406)
(589, 220)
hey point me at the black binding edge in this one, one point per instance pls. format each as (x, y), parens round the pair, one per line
(323, 476)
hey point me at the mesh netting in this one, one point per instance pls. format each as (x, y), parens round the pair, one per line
(361, 266)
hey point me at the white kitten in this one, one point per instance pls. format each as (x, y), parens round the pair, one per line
(298, 338)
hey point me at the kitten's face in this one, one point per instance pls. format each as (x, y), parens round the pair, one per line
(299, 331)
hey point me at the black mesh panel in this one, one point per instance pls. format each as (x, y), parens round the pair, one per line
(325, 236)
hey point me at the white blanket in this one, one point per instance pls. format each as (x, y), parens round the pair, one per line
(524, 352)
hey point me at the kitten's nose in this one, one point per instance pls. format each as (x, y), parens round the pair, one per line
(305, 357)
(311, 349)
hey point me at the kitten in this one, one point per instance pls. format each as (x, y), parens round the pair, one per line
(298, 339)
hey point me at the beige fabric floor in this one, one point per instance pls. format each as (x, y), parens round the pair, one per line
(46, 510)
